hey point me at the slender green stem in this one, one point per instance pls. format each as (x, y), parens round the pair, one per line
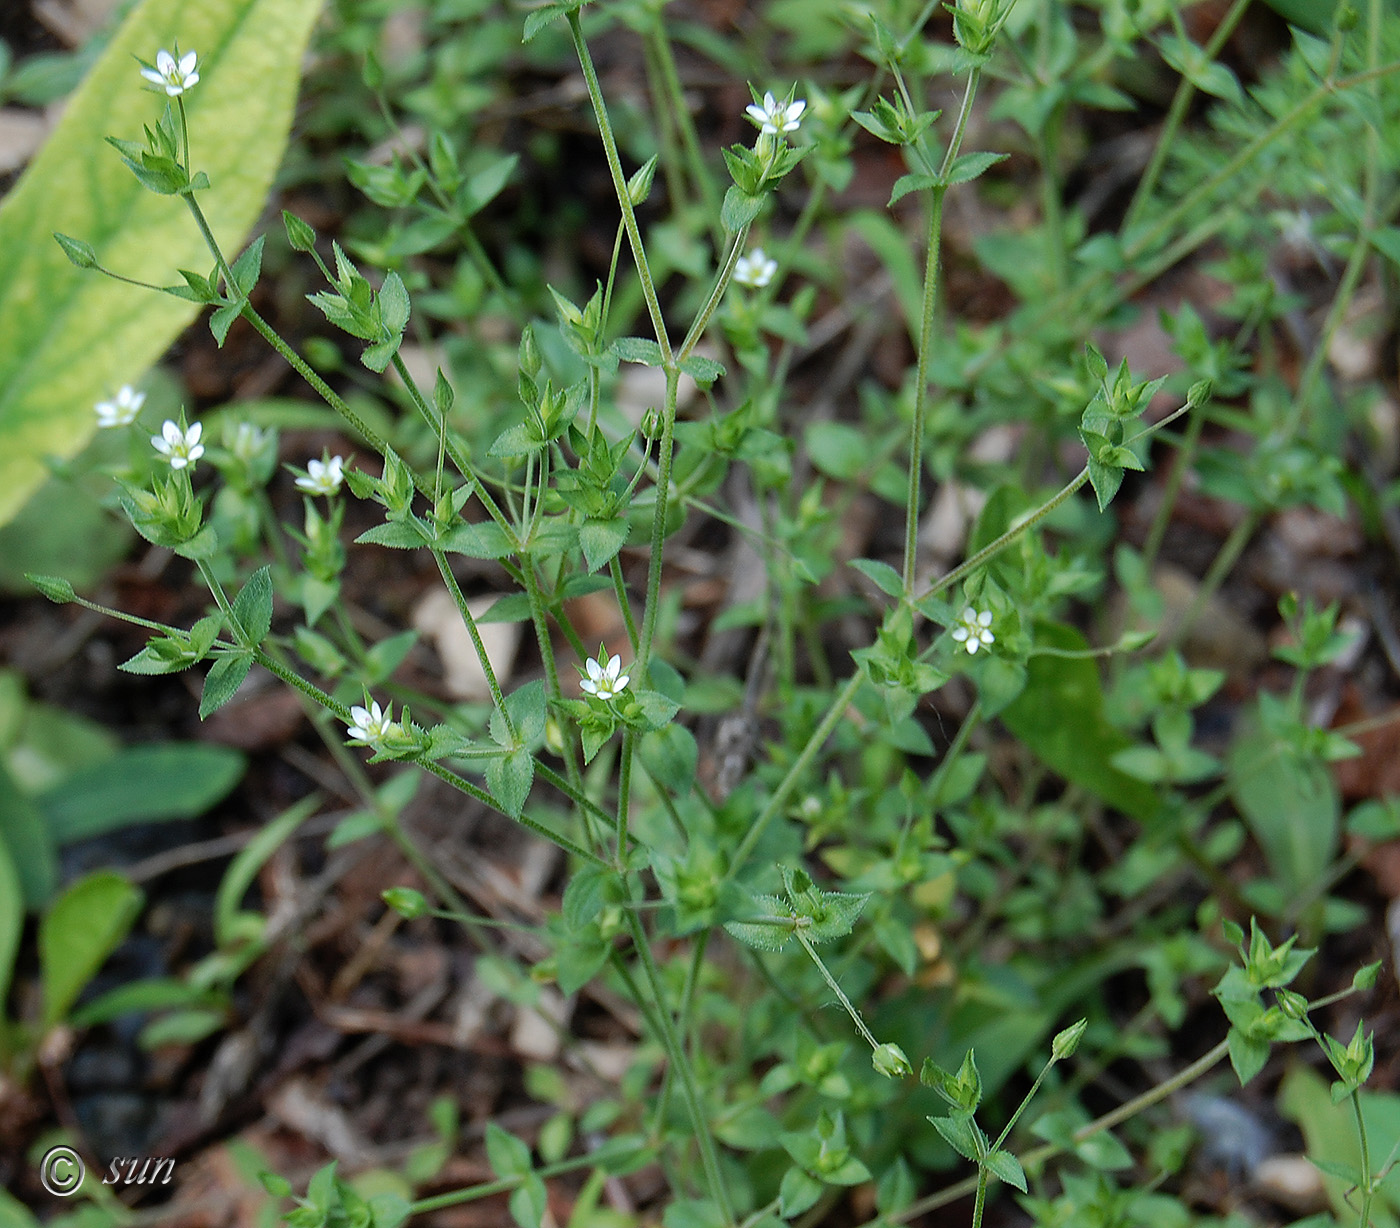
(455, 1198)
(629, 216)
(1215, 575)
(1038, 1156)
(835, 988)
(1366, 1183)
(445, 570)
(624, 792)
(702, 318)
(658, 522)
(435, 420)
(623, 604)
(794, 773)
(675, 1054)
(1176, 114)
(928, 317)
(916, 430)
(685, 124)
(980, 1201)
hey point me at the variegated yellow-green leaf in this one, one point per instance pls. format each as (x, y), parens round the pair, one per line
(70, 337)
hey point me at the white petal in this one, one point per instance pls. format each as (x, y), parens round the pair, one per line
(192, 435)
(973, 646)
(187, 62)
(196, 452)
(165, 62)
(173, 435)
(192, 79)
(153, 76)
(621, 683)
(794, 111)
(595, 671)
(960, 634)
(758, 114)
(614, 664)
(985, 618)
(590, 687)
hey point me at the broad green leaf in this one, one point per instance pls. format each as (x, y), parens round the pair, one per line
(244, 868)
(69, 337)
(1291, 805)
(507, 1155)
(1060, 717)
(141, 784)
(84, 926)
(11, 919)
(24, 838)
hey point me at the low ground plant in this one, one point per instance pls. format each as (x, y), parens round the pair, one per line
(940, 850)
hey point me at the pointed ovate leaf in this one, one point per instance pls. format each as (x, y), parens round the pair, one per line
(601, 540)
(507, 1155)
(68, 337)
(960, 1132)
(253, 607)
(54, 588)
(637, 349)
(969, 167)
(884, 577)
(910, 183)
(798, 1192)
(79, 252)
(509, 779)
(84, 926)
(704, 371)
(764, 935)
(225, 676)
(739, 209)
(1006, 1167)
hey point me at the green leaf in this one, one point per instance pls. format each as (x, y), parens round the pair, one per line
(910, 183)
(704, 371)
(1291, 805)
(739, 209)
(27, 837)
(251, 858)
(763, 936)
(885, 578)
(529, 1202)
(637, 349)
(1248, 1054)
(670, 756)
(798, 1192)
(84, 926)
(11, 919)
(486, 540)
(68, 336)
(509, 778)
(253, 607)
(1006, 1167)
(396, 534)
(225, 676)
(1060, 717)
(141, 784)
(962, 1135)
(507, 1155)
(54, 588)
(601, 540)
(969, 167)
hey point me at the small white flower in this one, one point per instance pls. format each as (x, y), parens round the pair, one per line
(323, 477)
(606, 682)
(754, 269)
(372, 725)
(179, 447)
(248, 440)
(173, 76)
(974, 630)
(121, 409)
(774, 117)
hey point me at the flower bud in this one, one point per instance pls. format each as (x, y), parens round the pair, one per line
(891, 1061)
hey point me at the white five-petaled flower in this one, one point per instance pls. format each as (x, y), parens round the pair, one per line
(372, 725)
(172, 75)
(774, 117)
(121, 409)
(755, 269)
(974, 630)
(179, 447)
(248, 440)
(323, 477)
(605, 681)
